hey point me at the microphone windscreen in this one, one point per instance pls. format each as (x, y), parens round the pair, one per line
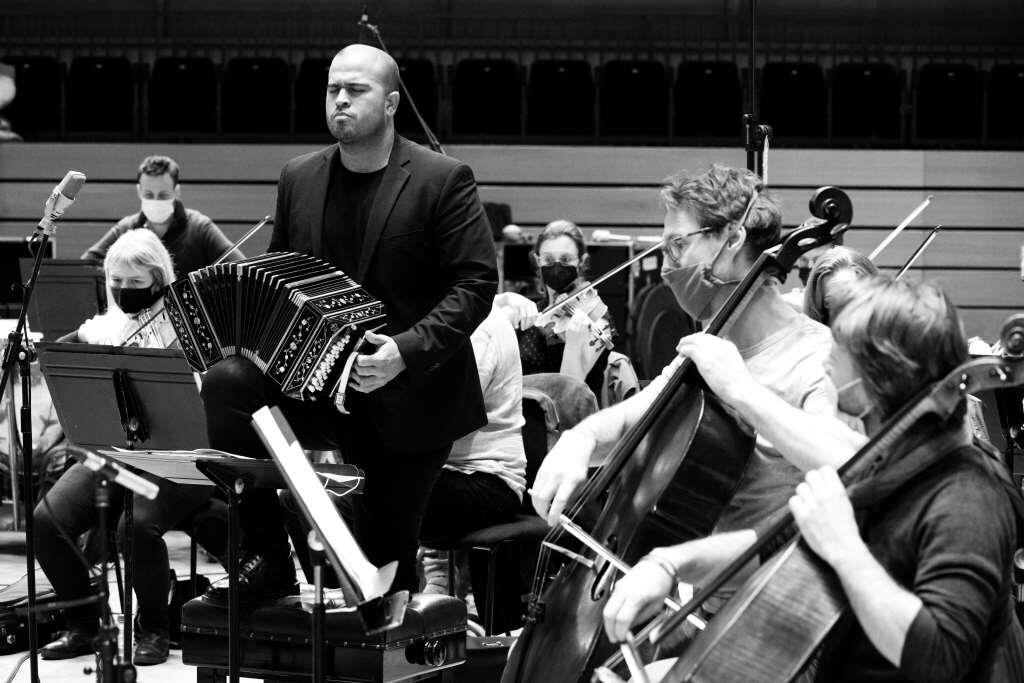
(71, 184)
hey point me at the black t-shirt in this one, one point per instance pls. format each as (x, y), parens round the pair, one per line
(350, 198)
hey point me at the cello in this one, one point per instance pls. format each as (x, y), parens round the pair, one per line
(667, 480)
(779, 618)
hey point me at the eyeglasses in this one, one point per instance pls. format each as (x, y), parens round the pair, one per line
(675, 246)
(564, 260)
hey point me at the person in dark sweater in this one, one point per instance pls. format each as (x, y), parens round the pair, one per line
(926, 567)
(192, 239)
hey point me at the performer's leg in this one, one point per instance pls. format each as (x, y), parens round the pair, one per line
(154, 518)
(232, 391)
(389, 512)
(71, 510)
(461, 503)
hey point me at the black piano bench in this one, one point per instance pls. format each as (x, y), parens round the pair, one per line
(276, 647)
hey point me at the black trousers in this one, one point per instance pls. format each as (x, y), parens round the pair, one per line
(72, 510)
(459, 503)
(462, 503)
(386, 517)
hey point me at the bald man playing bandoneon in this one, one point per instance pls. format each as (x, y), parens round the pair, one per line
(407, 224)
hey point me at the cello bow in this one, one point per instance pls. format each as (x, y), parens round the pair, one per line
(920, 249)
(900, 228)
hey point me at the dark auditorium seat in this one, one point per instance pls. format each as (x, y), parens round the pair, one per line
(708, 101)
(866, 102)
(257, 96)
(1005, 116)
(794, 100)
(36, 109)
(634, 99)
(183, 95)
(947, 105)
(311, 96)
(487, 97)
(420, 79)
(560, 98)
(101, 95)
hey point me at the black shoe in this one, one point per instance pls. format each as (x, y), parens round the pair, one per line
(262, 577)
(74, 642)
(150, 648)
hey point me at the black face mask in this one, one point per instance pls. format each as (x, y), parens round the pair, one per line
(131, 301)
(559, 276)
(805, 274)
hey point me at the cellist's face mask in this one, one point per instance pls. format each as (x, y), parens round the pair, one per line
(695, 285)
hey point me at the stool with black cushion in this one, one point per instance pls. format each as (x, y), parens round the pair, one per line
(276, 644)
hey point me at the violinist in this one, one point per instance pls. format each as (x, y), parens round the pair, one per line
(926, 570)
(716, 224)
(138, 268)
(578, 338)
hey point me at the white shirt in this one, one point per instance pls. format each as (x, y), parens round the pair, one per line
(496, 448)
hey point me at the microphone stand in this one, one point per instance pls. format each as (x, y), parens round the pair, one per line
(435, 144)
(756, 135)
(20, 350)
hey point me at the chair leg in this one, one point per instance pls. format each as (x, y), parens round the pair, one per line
(492, 570)
(117, 573)
(451, 572)
(193, 560)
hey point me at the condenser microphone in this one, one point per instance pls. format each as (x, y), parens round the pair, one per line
(60, 199)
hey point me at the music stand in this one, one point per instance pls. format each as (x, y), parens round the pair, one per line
(122, 396)
(233, 474)
(363, 584)
(67, 292)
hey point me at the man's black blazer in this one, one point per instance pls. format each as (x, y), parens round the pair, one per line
(427, 253)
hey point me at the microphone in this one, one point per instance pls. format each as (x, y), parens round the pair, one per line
(118, 474)
(1012, 335)
(60, 199)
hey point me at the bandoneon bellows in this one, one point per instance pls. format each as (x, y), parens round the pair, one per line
(296, 317)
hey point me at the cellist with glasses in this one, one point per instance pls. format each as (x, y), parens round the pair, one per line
(927, 569)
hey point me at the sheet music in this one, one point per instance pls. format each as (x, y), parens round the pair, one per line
(341, 546)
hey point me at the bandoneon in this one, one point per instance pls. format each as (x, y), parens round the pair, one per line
(299, 319)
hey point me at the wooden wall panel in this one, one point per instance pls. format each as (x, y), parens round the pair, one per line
(978, 197)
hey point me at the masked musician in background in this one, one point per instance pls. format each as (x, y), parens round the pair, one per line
(578, 341)
(927, 569)
(192, 238)
(407, 224)
(138, 268)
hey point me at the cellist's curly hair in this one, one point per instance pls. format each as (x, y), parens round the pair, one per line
(719, 196)
(902, 336)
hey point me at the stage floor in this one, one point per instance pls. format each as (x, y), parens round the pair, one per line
(12, 568)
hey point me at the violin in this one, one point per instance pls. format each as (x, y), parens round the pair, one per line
(667, 480)
(591, 305)
(562, 308)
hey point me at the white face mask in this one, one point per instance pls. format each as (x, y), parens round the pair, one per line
(157, 210)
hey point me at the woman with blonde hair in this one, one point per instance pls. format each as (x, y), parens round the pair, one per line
(833, 272)
(138, 269)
